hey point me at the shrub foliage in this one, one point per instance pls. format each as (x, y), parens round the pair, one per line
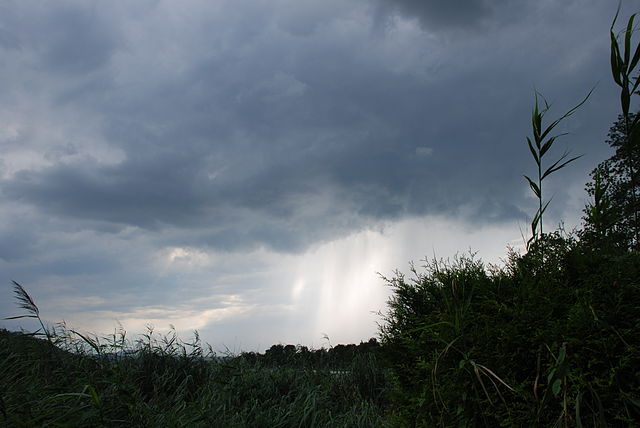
(541, 342)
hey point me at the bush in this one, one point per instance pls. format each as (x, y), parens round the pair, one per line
(550, 339)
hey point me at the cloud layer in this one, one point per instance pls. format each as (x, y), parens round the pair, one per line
(230, 128)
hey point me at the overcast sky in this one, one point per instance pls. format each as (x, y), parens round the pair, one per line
(245, 168)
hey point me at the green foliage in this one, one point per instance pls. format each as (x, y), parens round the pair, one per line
(612, 219)
(625, 136)
(74, 379)
(542, 142)
(550, 339)
(162, 381)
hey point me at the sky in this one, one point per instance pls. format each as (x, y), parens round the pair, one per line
(249, 168)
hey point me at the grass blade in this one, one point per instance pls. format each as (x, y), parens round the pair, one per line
(533, 151)
(553, 168)
(533, 186)
(627, 43)
(24, 299)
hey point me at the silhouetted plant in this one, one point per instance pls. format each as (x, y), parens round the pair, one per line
(542, 143)
(26, 302)
(612, 219)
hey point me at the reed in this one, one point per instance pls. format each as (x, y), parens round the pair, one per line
(543, 142)
(70, 378)
(623, 66)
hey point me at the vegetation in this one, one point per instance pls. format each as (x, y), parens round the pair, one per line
(76, 380)
(542, 143)
(549, 339)
(551, 343)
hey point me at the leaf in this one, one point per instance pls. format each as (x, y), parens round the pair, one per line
(555, 388)
(562, 355)
(627, 42)
(553, 168)
(544, 208)
(625, 99)
(534, 187)
(20, 316)
(550, 128)
(495, 376)
(537, 219)
(90, 341)
(24, 299)
(567, 114)
(534, 224)
(546, 146)
(635, 85)
(635, 59)
(615, 18)
(616, 60)
(615, 68)
(536, 123)
(94, 395)
(533, 151)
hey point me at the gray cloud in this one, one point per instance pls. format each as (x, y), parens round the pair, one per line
(231, 145)
(129, 131)
(71, 38)
(437, 15)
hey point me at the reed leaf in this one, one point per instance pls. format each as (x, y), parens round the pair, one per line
(627, 43)
(553, 168)
(539, 147)
(533, 186)
(533, 152)
(24, 300)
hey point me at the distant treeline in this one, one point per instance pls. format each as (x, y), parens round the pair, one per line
(339, 356)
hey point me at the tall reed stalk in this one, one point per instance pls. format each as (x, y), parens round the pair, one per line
(622, 67)
(539, 147)
(26, 302)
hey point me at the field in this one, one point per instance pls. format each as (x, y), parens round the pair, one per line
(74, 381)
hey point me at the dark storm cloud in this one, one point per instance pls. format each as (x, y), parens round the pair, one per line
(435, 15)
(15, 244)
(163, 161)
(70, 38)
(77, 40)
(285, 138)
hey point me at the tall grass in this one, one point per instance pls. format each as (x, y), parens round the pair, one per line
(543, 142)
(624, 60)
(75, 379)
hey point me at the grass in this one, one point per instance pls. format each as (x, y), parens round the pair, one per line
(72, 379)
(60, 377)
